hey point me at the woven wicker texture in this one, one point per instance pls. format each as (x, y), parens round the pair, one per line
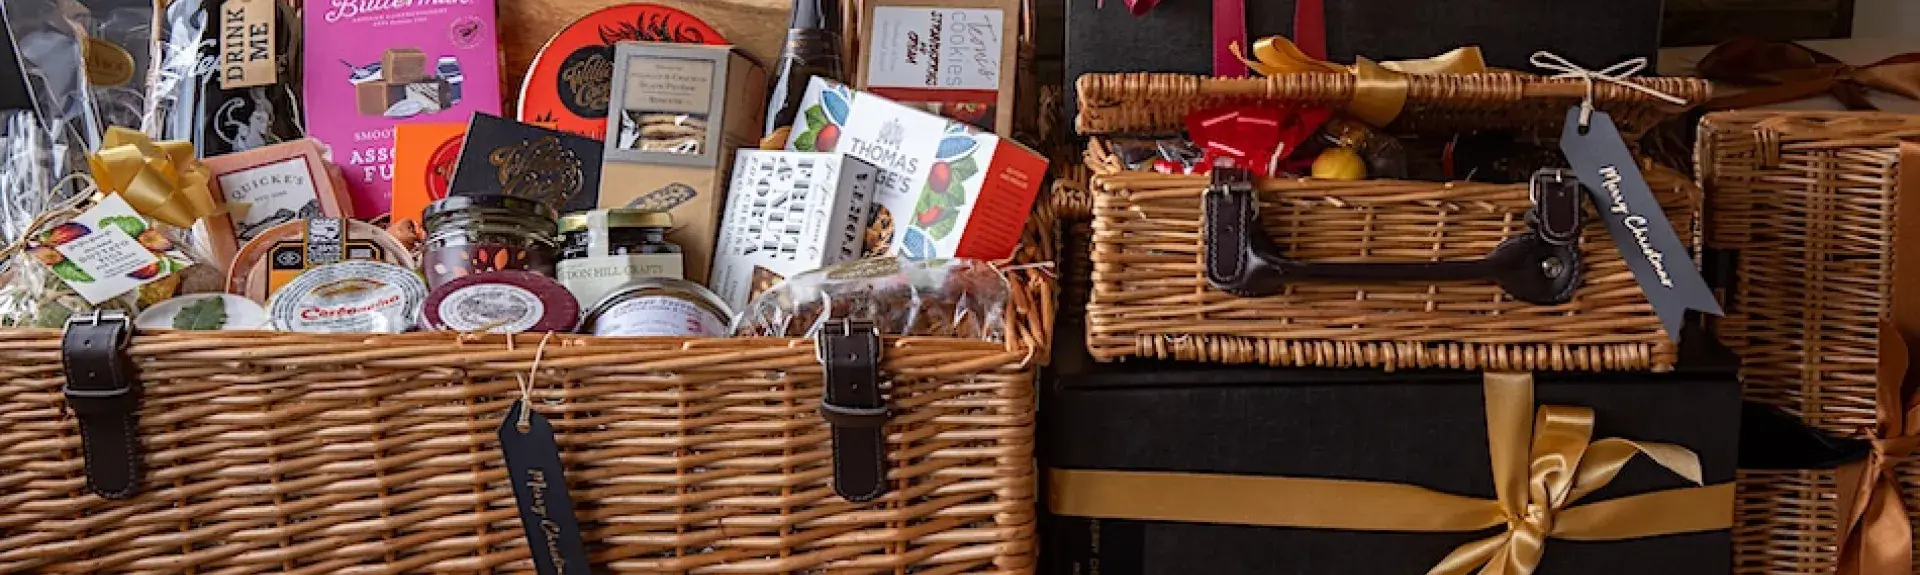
(1788, 522)
(1808, 202)
(273, 452)
(1535, 106)
(1151, 297)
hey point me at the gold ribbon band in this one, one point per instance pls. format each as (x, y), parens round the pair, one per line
(1542, 467)
(161, 180)
(1380, 88)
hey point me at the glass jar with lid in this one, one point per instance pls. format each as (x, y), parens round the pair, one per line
(467, 235)
(604, 249)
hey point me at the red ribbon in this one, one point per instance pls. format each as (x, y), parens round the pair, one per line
(1230, 27)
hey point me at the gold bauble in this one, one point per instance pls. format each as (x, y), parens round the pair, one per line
(1340, 164)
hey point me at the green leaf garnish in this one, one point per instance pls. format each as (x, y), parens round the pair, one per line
(206, 314)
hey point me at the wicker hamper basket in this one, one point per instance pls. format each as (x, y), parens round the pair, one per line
(1788, 522)
(1151, 296)
(282, 452)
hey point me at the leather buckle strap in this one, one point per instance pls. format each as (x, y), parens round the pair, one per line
(1540, 265)
(103, 390)
(854, 408)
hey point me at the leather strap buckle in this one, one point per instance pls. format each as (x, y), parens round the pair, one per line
(854, 407)
(1558, 213)
(1541, 265)
(103, 391)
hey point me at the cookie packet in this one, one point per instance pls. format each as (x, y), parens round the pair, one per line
(963, 298)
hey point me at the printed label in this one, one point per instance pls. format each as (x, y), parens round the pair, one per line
(942, 48)
(247, 55)
(669, 85)
(351, 305)
(495, 308)
(270, 195)
(659, 315)
(592, 278)
(107, 251)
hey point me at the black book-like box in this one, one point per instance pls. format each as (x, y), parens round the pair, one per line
(1177, 35)
(1426, 429)
(501, 157)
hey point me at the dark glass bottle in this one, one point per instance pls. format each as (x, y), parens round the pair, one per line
(812, 49)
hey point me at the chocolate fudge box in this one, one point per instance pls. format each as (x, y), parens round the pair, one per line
(501, 157)
(787, 213)
(1177, 36)
(1210, 442)
(371, 66)
(949, 189)
(678, 113)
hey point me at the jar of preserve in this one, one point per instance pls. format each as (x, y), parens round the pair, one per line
(604, 249)
(466, 235)
(664, 307)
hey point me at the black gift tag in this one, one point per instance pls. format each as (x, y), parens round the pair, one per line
(540, 489)
(1659, 261)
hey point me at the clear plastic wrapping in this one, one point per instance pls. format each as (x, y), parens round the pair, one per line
(949, 298)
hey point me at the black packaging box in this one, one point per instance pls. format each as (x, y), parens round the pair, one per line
(1425, 428)
(505, 157)
(1177, 35)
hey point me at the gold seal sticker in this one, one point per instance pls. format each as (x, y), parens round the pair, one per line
(107, 63)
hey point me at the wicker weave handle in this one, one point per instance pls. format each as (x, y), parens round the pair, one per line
(1540, 265)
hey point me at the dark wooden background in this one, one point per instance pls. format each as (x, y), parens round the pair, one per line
(1701, 22)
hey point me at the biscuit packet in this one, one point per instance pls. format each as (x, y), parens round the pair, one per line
(963, 298)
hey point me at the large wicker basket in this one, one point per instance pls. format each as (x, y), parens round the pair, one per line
(1152, 298)
(1788, 522)
(1808, 207)
(277, 452)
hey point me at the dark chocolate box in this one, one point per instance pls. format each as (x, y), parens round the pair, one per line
(1419, 428)
(1177, 35)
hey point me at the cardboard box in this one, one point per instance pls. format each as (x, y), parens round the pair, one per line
(360, 59)
(787, 213)
(1426, 429)
(955, 58)
(424, 158)
(501, 157)
(678, 112)
(949, 190)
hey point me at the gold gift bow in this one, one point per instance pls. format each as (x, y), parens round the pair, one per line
(161, 180)
(1541, 468)
(1380, 88)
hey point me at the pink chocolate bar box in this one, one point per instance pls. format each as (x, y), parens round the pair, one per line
(374, 64)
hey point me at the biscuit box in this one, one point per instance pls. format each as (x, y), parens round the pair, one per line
(678, 112)
(946, 188)
(950, 57)
(787, 213)
(371, 66)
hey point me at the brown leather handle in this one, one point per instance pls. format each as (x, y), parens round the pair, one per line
(1541, 265)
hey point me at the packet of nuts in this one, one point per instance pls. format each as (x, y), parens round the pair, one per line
(954, 297)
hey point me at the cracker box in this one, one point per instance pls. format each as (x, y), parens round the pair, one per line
(946, 188)
(951, 57)
(787, 213)
(678, 111)
(371, 66)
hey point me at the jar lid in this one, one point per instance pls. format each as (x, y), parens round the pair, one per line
(507, 301)
(696, 294)
(353, 296)
(452, 204)
(618, 218)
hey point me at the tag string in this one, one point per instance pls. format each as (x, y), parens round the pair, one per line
(56, 213)
(1616, 74)
(526, 381)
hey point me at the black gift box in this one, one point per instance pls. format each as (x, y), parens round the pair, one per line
(1177, 35)
(1426, 429)
(505, 157)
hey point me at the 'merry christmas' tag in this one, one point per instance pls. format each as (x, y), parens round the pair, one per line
(1659, 261)
(540, 490)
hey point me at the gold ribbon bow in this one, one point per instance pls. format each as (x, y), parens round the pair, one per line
(1791, 71)
(1877, 533)
(161, 180)
(1542, 467)
(1380, 88)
